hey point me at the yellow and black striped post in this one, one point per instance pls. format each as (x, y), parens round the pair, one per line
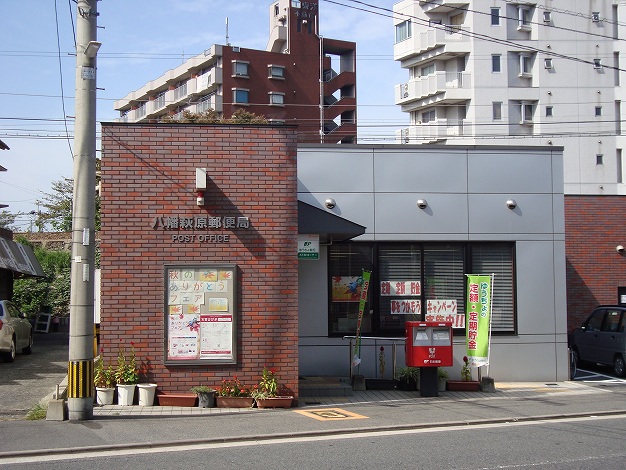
(80, 379)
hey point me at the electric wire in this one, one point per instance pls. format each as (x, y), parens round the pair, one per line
(56, 17)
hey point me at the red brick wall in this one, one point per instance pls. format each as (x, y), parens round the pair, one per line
(594, 226)
(149, 171)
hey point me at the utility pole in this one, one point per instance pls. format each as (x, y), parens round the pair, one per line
(81, 348)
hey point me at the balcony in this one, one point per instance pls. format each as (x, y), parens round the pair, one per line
(435, 131)
(441, 6)
(452, 40)
(456, 86)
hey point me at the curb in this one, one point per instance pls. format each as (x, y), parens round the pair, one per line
(266, 437)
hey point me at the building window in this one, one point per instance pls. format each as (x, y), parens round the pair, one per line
(496, 66)
(597, 63)
(620, 166)
(495, 17)
(277, 99)
(241, 96)
(240, 69)
(496, 110)
(403, 31)
(549, 111)
(140, 111)
(526, 112)
(159, 100)
(180, 91)
(415, 281)
(595, 16)
(276, 71)
(547, 16)
(205, 103)
(598, 111)
(547, 63)
(428, 115)
(523, 18)
(427, 70)
(599, 159)
(525, 65)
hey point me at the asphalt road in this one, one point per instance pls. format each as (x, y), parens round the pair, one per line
(29, 379)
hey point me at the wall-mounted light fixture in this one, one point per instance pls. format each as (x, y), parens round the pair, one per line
(511, 204)
(330, 203)
(422, 204)
(200, 186)
(620, 248)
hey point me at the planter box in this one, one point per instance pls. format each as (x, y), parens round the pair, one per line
(463, 386)
(274, 402)
(177, 399)
(380, 384)
(409, 386)
(234, 402)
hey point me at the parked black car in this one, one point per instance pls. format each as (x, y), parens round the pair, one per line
(602, 338)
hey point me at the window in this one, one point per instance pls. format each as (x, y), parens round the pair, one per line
(240, 69)
(276, 71)
(428, 115)
(547, 16)
(523, 18)
(403, 31)
(599, 159)
(495, 17)
(205, 103)
(140, 111)
(620, 166)
(547, 63)
(549, 111)
(598, 111)
(415, 281)
(597, 63)
(240, 96)
(526, 111)
(525, 65)
(497, 110)
(159, 100)
(277, 98)
(295, 3)
(495, 63)
(427, 70)
(180, 91)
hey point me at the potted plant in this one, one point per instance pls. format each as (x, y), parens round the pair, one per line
(466, 383)
(407, 378)
(232, 394)
(126, 375)
(442, 376)
(266, 392)
(206, 396)
(104, 381)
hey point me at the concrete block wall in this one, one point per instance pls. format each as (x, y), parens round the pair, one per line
(148, 171)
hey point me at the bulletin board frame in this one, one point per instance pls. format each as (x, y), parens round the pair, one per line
(200, 314)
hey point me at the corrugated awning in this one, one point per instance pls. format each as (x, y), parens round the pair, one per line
(328, 226)
(19, 258)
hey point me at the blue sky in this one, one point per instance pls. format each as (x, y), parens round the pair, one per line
(141, 40)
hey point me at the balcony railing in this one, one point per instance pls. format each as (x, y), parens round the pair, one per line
(439, 82)
(439, 129)
(452, 38)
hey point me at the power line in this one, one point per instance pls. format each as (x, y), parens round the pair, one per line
(56, 17)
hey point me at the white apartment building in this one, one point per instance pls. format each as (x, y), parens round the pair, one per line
(518, 72)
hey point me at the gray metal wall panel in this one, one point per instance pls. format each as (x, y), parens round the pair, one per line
(345, 171)
(488, 213)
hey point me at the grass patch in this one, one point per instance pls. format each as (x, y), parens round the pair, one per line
(37, 412)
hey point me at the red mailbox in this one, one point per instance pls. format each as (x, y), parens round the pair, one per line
(428, 344)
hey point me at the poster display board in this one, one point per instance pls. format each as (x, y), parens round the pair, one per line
(200, 314)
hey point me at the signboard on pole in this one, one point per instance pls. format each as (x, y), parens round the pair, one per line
(478, 319)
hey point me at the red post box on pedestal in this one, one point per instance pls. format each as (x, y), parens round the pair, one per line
(428, 344)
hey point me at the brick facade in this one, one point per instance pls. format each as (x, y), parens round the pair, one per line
(148, 171)
(594, 226)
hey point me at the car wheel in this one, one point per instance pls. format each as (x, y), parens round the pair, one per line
(29, 349)
(10, 355)
(618, 366)
(577, 359)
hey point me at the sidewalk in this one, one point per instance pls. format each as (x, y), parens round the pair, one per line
(116, 427)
